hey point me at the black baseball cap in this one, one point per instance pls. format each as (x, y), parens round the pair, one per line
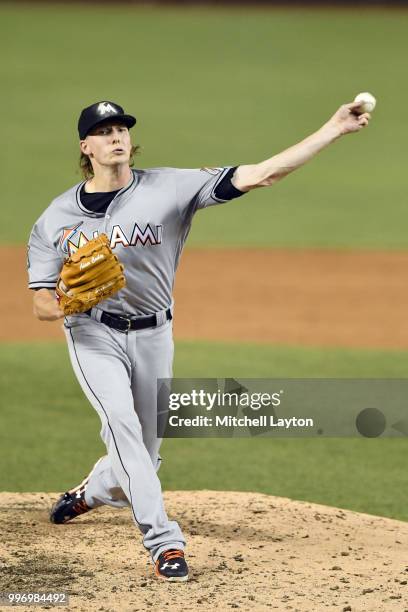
(99, 112)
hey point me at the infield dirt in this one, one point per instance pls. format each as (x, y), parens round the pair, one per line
(295, 297)
(246, 551)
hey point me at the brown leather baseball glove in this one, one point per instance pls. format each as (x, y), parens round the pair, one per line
(92, 274)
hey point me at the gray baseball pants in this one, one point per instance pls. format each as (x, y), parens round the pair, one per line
(118, 373)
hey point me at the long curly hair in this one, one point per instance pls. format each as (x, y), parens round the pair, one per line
(85, 164)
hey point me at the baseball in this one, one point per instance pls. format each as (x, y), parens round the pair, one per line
(367, 100)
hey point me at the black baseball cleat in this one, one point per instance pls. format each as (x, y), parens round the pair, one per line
(70, 505)
(172, 566)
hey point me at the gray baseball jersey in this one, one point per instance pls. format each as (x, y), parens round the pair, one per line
(147, 222)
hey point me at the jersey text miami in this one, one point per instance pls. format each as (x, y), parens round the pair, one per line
(147, 224)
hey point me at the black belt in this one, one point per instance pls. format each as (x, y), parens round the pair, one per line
(125, 324)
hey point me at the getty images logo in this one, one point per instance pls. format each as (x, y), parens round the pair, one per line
(106, 107)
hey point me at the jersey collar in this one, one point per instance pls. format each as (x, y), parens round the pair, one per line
(132, 183)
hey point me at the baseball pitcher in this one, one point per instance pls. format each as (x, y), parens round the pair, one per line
(103, 256)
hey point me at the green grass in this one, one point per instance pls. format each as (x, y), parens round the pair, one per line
(211, 87)
(50, 435)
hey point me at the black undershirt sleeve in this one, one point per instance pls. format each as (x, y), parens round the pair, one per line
(225, 190)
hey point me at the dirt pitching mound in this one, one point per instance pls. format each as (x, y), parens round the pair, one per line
(245, 550)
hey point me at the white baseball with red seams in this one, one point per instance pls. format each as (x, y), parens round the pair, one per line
(368, 102)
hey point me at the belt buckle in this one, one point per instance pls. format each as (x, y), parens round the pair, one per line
(129, 323)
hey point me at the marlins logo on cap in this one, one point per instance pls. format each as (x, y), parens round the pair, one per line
(106, 107)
